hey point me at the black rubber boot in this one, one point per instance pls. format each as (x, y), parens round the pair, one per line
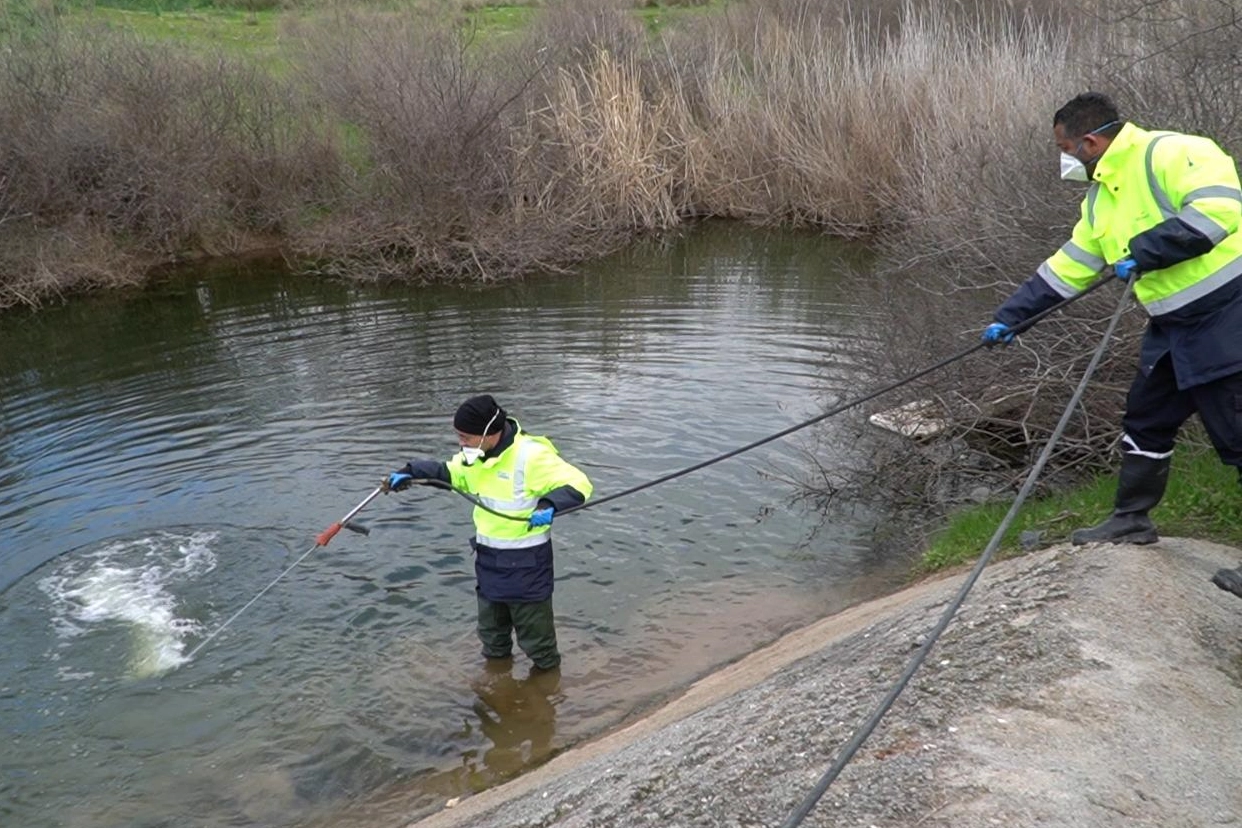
(1230, 580)
(1140, 485)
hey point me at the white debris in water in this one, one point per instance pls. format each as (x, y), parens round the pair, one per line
(132, 582)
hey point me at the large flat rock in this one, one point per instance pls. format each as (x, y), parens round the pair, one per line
(1092, 686)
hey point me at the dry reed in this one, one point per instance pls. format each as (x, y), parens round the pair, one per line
(403, 146)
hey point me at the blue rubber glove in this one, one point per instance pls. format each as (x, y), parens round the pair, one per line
(397, 481)
(997, 333)
(541, 517)
(1125, 268)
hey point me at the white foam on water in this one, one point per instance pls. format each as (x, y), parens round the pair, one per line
(134, 582)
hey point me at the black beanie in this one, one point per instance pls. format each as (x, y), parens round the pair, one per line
(476, 413)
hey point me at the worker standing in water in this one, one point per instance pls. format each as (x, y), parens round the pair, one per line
(523, 482)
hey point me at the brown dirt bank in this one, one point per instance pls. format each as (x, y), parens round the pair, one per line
(1077, 687)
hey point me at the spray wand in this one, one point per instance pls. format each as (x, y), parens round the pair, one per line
(322, 539)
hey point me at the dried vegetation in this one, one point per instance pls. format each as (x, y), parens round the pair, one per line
(409, 147)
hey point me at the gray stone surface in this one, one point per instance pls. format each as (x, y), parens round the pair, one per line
(1091, 686)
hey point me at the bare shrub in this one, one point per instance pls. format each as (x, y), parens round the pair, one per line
(930, 135)
(997, 407)
(601, 155)
(809, 113)
(570, 34)
(485, 159)
(47, 263)
(469, 159)
(1175, 64)
(950, 167)
(429, 124)
(603, 147)
(163, 153)
(966, 240)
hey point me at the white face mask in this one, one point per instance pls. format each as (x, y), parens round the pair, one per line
(1072, 169)
(470, 454)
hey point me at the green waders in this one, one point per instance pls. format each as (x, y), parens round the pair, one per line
(533, 622)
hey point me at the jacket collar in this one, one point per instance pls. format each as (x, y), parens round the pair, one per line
(506, 439)
(1117, 156)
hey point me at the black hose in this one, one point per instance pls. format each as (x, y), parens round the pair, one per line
(832, 412)
(1017, 329)
(440, 484)
(847, 753)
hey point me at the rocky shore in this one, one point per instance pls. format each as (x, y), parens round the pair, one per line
(1092, 686)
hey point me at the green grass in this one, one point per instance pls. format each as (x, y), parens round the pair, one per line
(252, 27)
(657, 17)
(503, 19)
(232, 30)
(158, 6)
(1203, 501)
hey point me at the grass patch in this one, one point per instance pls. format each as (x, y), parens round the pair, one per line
(251, 27)
(1203, 501)
(502, 19)
(656, 17)
(164, 6)
(232, 30)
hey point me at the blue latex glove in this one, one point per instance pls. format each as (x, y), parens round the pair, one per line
(1125, 268)
(997, 333)
(541, 517)
(398, 481)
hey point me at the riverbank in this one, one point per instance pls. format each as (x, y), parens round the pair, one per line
(1090, 686)
(398, 144)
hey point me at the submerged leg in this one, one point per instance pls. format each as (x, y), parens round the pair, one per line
(495, 628)
(536, 633)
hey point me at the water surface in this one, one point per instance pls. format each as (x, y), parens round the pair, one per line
(166, 454)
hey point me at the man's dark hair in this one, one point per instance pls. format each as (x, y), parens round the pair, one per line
(1087, 113)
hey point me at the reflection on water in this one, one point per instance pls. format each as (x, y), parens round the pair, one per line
(518, 717)
(166, 453)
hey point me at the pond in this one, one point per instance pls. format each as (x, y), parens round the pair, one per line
(166, 454)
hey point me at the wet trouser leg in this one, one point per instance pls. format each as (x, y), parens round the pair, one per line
(536, 632)
(495, 628)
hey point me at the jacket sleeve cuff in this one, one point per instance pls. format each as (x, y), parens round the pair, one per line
(1034, 296)
(563, 498)
(428, 470)
(1170, 242)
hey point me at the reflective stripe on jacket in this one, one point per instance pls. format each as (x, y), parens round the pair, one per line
(513, 561)
(1142, 179)
(1159, 186)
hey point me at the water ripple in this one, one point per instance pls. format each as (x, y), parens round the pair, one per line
(242, 413)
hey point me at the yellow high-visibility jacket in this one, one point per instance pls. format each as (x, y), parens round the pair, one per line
(513, 561)
(1142, 180)
(1172, 202)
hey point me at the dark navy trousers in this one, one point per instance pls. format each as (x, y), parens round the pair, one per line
(1156, 409)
